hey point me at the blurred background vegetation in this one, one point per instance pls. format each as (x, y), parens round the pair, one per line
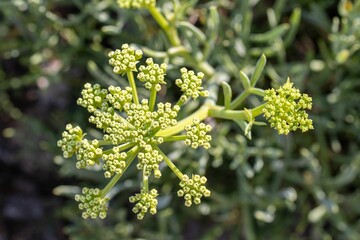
(300, 186)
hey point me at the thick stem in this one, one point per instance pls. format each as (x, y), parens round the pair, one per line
(131, 156)
(175, 138)
(152, 99)
(227, 114)
(131, 79)
(258, 110)
(201, 114)
(170, 32)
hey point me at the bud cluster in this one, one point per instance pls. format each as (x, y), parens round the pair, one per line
(190, 84)
(136, 3)
(149, 159)
(93, 98)
(193, 189)
(285, 109)
(114, 162)
(196, 134)
(88, 154)
(124, 60)
(153, 74)
(92, 203)
(71, 140)
(145, 201)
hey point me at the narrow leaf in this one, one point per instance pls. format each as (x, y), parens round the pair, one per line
(227, 94)
(271, 35)
(258, 70)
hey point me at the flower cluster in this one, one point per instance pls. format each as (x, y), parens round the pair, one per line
(136, 3)
(114, 162)
(87, 152)
(193, 189)
(134, 128)
(71, 140)
(190, 84)
(285, 109)
(92, 203)
(150, 160)
(93, 97)
(145, 201)
(124, 60)
(197, 134)
(153, 74)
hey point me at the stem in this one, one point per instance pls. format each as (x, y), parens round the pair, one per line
(201, 114)
(228, 114)
(170, 163)
(175, 138)
(152, 99)
(170, 32)
(258, 110)
(104, 143)
(131, 79)
(121, 147)
(240, 99)
(173, 37)
(145, 181)
(131, 155)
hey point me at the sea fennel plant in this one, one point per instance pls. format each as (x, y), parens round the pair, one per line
(134, 129)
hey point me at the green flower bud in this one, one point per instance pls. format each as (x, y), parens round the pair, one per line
(93, 98)
(71, 140)
(193, 189)
(285, 109)
(88, 153)
(91, 203)
(124, 60)
(136, 3)
(190, 84)
(145, 201)
(197, 134)
(152, 75)
(114, 162)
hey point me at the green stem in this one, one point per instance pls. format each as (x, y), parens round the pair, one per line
(240, 99)
(145, 181)
(258, 110)
(131, 155)
(170, 32)
(121, 147)
(131, 79)
(104, 143)
(170, 164)
(201, 114)
(173, 37)
(175, 138)
(227, 114)
(152, 99)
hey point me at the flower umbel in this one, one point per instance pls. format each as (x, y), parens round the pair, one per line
(136, 3)
(285, 109)
(124, 60)
(145, 201)
(193, 189)
(133, 127)
(197, 134)
(92, 203)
